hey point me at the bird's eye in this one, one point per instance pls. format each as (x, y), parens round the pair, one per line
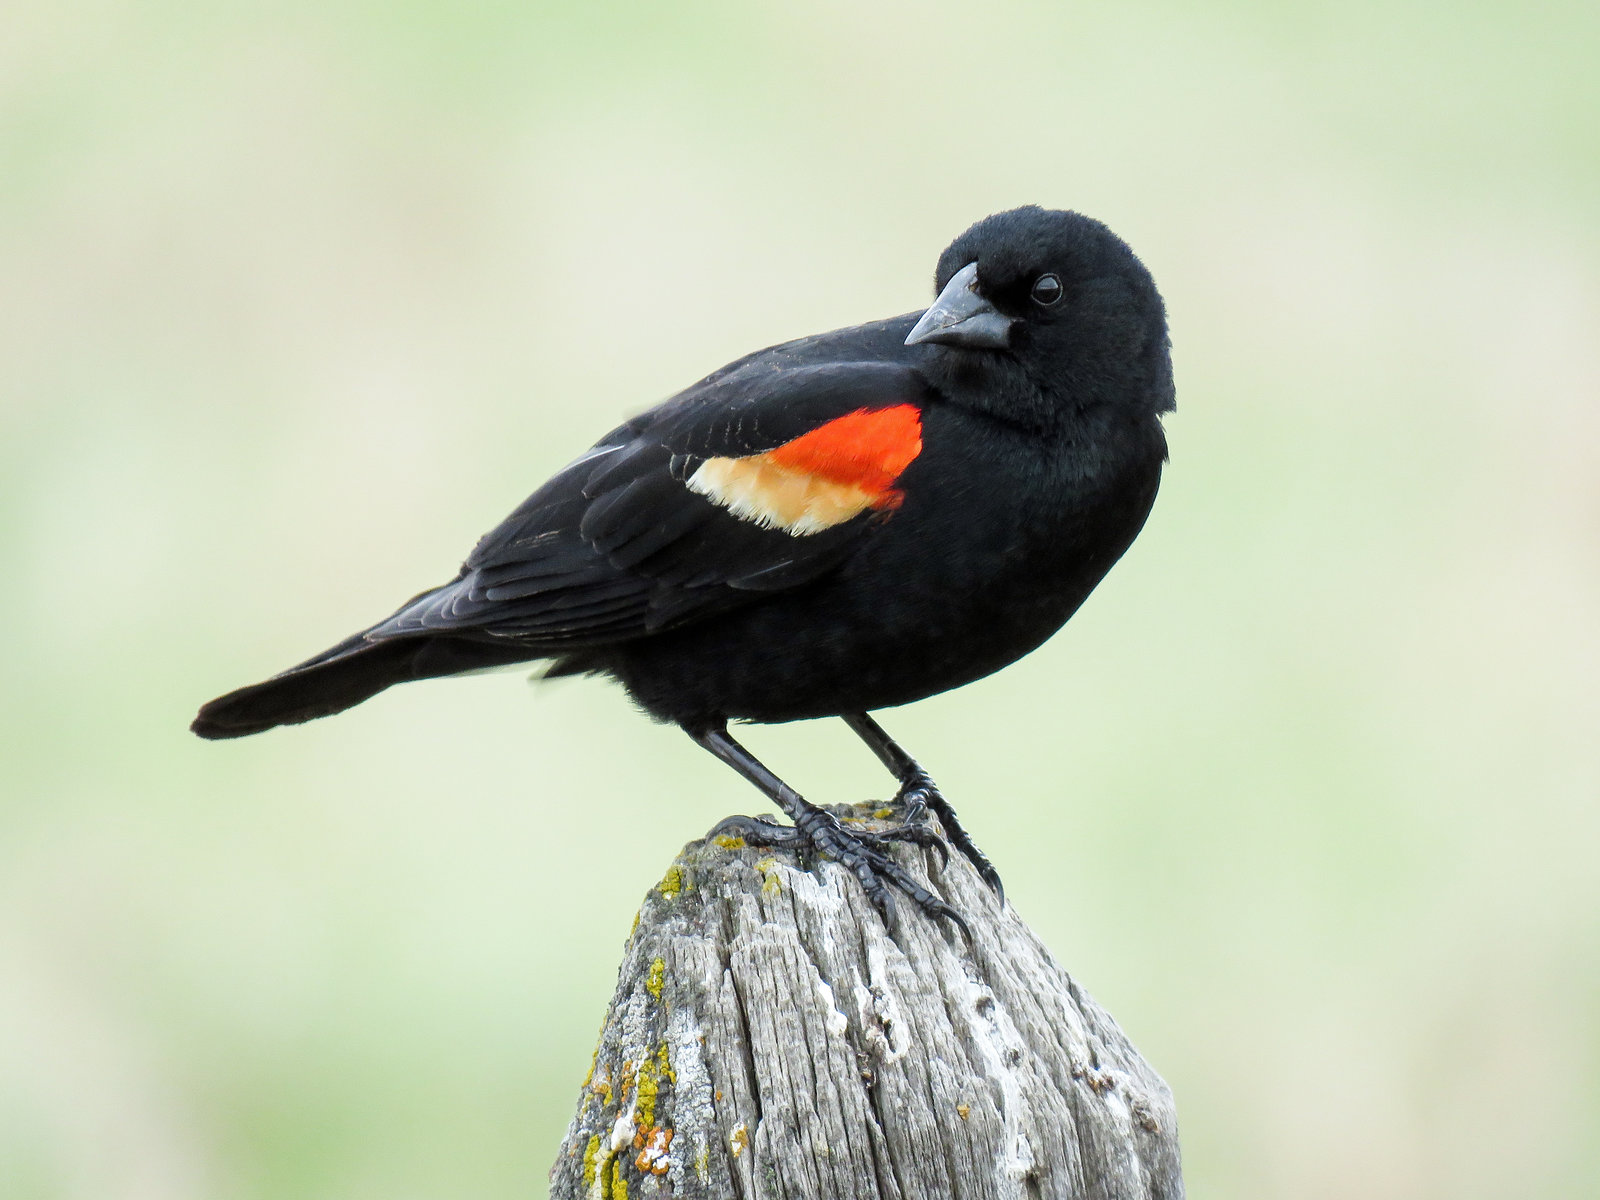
(1047, 289)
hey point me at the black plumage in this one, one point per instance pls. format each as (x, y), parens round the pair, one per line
(846, 522)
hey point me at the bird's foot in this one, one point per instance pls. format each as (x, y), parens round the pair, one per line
(914, 828)
(760, 831)
(917, 796)
(863, 852)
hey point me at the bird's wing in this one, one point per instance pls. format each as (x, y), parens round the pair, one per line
(753, 481)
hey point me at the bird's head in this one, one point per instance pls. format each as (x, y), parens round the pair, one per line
(1057, 297)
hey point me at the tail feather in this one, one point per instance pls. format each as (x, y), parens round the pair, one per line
(343, 676)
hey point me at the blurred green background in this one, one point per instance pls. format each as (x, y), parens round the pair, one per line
(295, 302)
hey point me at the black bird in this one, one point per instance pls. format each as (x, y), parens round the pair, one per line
(846, 522)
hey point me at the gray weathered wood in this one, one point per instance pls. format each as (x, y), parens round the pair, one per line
(769, 1038)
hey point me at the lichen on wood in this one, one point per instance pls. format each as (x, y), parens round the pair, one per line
(769, 1037)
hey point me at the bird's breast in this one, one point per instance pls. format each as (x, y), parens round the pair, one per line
(1006, 532)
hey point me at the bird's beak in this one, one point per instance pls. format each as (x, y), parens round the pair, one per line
(962, 317)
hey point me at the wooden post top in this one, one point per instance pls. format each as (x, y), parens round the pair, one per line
(770, 1038)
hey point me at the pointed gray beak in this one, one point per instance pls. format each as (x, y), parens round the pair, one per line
(962, 317)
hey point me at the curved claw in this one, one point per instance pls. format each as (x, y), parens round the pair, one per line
(989, 875)
(918, 794)
(873, 867)
(915, 802)
(929, 904)
(882, 898)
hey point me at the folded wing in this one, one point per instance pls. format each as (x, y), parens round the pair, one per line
(755, 481)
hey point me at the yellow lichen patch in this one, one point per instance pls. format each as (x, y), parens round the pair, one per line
(644, 1108)
(601, 1087)
(648, 1086)
(739, 1140)
(962, 1111)
(655, 1143)
(594, 1059)
(589, 1157)
(656, 978)
(616, 1187)
(672, 882)
(883, 814)
(729, 843)
(771, 885)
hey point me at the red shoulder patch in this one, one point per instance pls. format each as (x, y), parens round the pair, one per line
(867, 448)
(820, 479)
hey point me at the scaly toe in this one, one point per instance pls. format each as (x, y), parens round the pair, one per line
(759, 831)
(920, 792)
(919, 834)
(865, 855)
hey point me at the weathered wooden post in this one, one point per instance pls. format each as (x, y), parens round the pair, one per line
(769, 1038)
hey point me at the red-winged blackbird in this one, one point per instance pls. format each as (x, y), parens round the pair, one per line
(846, 522)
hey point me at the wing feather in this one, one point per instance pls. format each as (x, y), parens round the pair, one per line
(618, 544)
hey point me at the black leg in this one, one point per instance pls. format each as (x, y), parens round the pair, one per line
(864, 853)
(918, 791)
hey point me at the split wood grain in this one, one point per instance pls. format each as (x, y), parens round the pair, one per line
(770, 1039)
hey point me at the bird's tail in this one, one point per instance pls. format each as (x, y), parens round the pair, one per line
(355, 670)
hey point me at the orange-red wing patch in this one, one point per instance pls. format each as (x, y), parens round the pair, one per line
(868, 448)
(822, 478)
